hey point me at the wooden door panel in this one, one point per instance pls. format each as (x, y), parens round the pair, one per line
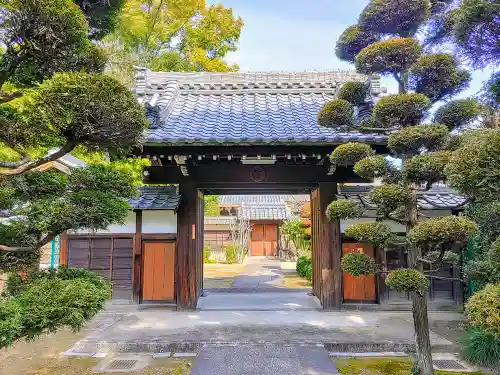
(361, 288)
(158, 283)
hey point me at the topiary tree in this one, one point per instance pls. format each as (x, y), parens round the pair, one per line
(53, 96)
(423, 79)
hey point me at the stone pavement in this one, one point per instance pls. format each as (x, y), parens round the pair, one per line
(263, 360)
(259, 273)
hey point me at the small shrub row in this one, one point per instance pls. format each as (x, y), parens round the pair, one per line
(304, 267)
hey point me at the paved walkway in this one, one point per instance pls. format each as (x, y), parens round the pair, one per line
(263, 360)
(260, 273)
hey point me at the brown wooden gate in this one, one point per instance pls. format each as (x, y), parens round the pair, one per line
(158, 272)
(264, 240)
(110, 257)
(360, 288)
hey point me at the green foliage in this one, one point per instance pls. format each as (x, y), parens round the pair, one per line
(372, 167)
(388, 56)
(375, 233)
(475, 30)
(344, 209)
(407, 280)
(102, 16)
(231, 252)
(491, 91)
(336, 113)
(389, 197)
(293, 230)
(211, 205)
(482, 309)
(427, 168)
(438, 76)
(458, 113)
(486, 269)
(207, 253)
(45, 37)
(100, 177)
(401, 110)
(394, 17)
(481, 348)
(350, 153)
(304, 267)
(352, 41)
(442, 231)
(413, 139)
(358, 264)
(93, 110)
(50, 302)
(354, 92)
(473, 167)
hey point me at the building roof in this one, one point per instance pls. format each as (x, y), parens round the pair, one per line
(271, 199)
(156, 198)
(437, 198)
(265, 212)
(243, 108)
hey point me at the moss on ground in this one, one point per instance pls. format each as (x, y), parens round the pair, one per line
(383, 366)
(294, 281)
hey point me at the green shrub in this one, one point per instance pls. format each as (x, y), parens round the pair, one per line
(350, 153)
(413, 138)
(231, 252)
(51, 303)
(336, 113)
(344, 209)
(358, 264)
(354, 92)
(389, 197)
(308, 272)
(482, 309)
(401, 110)
(407, 280)
(388, 56)
(351, 41)
(376, 233)
(207, 253)
(372, 167)
(442, 231)
(481, 348)
(427, 168)
(304, 264)
(438, 76)
(458, 113)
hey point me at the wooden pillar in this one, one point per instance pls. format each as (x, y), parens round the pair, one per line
(137, 254)
(188, 267)
(63, 254)
(326, 249)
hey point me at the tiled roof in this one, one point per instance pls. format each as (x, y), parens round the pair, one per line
(238, 200)
(156, 198)
(437, 198)
(243, 108)
(265, 212)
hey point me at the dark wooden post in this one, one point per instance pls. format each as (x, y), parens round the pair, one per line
(188, 251)
(137, 254)
(326, 249)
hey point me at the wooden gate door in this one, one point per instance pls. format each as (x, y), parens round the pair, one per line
(158, 272)
(361, 288)
(264, 240)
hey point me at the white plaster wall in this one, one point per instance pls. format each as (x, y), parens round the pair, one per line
(159, 222)
(128, 227)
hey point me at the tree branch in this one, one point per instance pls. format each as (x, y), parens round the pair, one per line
(68, 147)
(402, 88)
(14, 249)
(14, 164)
(42, 242)
(4, 98)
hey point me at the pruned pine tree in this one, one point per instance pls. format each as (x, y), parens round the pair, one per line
(53, 95)
(383, 42)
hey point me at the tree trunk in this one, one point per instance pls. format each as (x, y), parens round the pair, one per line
(423, 342)
(419, 301)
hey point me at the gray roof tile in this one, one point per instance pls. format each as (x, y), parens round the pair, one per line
(437, 198)
(250, 108)
(271, 212)
(156, 198)
(237, 200)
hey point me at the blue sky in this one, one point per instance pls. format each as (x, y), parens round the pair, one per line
(299, 35)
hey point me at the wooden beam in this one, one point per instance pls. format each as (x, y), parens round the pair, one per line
(261, 176)
(326, 249)
(187, 272)
(63, 255)
(137, 254)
